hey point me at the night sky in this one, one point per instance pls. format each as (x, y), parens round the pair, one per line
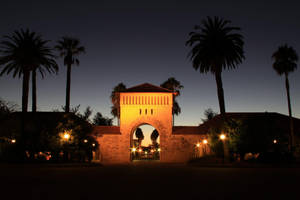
(144, 41)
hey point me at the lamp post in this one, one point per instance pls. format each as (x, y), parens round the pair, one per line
(225, 147)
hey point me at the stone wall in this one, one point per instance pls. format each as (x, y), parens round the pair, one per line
(154, 109)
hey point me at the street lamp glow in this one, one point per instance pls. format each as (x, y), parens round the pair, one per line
(275, 141)
(222, 136)
(140, 150)
(85, 141)
(205, 142)
(158, 150)
(13, 141)
(66, 136)
(94, 144)
(198, 144)
(133, 149)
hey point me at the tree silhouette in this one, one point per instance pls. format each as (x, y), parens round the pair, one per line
(69, 48)
(209, 114)
(139, 135)
(115, 99)
(100, 120)
(286, 62)
(216, 47)
(175, 86)
(23, 52)
(154, 136)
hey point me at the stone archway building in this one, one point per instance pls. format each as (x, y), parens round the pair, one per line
(148, 104)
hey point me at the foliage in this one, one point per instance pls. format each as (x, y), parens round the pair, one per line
(285, 60)
(209, 114)
(22, 52)
(175, 86)
(100, 120)
(215, 47)
(69, 48)
(6, 108)
(139, 134)
(154, 135)
(115, 99)
(248, 135)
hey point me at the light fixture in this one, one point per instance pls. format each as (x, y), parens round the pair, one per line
(66, 135)
(222, 136)
(205, 141)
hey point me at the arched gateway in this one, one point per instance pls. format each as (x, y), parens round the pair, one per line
(148, 104)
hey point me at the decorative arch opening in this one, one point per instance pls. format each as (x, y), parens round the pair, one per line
(145, 143)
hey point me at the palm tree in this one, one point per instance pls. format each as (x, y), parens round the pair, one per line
(154, 136)
(175, 86)
(139, 135)
(22, 52)
(115, 99)
(285, 62)
(69, 48)
(216, 47)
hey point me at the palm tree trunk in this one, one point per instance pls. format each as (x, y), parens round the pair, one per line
(68, 88)
(220, 91)
(287, 86)
(25, 90)
(33, 90)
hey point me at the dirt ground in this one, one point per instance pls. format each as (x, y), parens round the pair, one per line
(146, 181)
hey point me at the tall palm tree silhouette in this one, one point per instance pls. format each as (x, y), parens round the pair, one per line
(215, 47)
(69, 48)
(22, 52)
(175, 86)
(285, 62)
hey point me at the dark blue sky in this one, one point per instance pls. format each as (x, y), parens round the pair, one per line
(143, 41)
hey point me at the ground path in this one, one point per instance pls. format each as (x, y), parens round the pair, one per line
(147, 181)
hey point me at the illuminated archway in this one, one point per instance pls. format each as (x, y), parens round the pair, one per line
(145, 143)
